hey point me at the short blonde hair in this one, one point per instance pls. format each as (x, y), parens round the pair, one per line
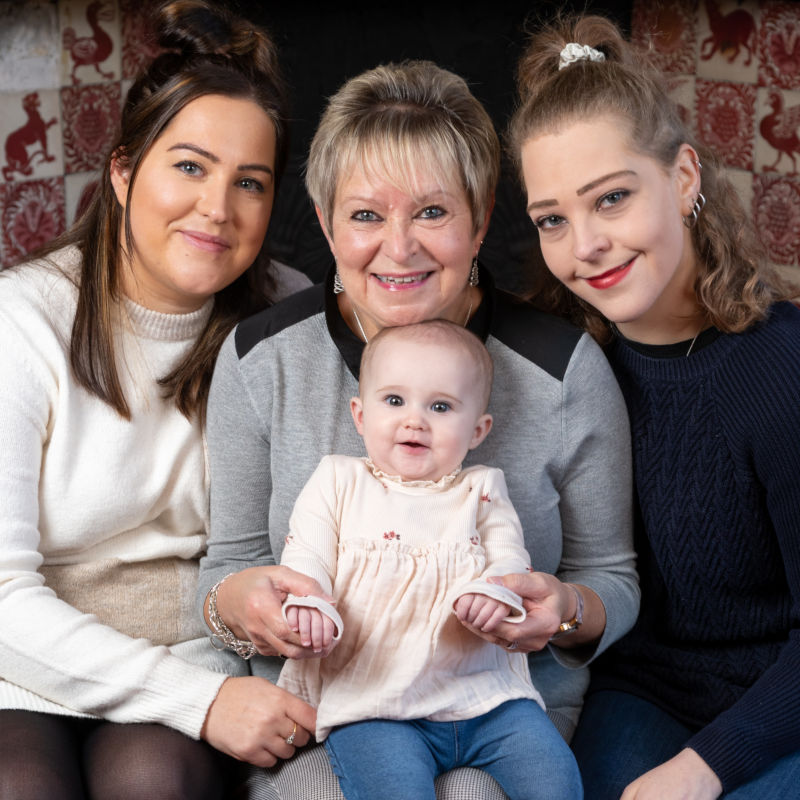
(438, 331)
(399, 119)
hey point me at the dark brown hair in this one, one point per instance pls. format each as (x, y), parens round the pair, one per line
(207, 50)
(735, 284)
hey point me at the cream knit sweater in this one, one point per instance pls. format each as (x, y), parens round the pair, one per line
(101, 519)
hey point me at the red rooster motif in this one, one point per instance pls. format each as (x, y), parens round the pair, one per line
(95, 49)
(780, 130)
(729, 33)
(33, 132)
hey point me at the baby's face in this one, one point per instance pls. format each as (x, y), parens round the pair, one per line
(420, 409)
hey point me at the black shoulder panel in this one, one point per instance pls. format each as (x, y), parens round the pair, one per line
(272, 320)
(542, 338)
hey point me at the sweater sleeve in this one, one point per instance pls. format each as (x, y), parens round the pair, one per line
(312, 544)
(764, 724)
(47, 647)
(238, 445)
(596, 499)
(500, 529)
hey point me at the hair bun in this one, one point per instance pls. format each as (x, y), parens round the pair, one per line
(195, 27)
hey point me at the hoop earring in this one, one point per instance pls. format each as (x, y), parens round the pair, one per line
(690, 220)
(474, 276)
(338, 286)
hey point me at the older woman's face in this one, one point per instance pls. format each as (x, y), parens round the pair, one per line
(403, 258)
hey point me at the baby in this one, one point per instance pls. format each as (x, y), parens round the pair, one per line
(405, 540)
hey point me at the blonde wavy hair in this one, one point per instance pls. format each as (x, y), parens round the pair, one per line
(735, 283)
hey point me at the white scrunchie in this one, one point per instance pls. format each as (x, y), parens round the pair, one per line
(578, 52)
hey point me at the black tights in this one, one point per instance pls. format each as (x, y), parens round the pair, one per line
(46, 756)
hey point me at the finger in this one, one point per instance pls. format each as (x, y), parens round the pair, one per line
(317, 630)
(485, 611)
(328, 631)
(462, 606)
(305, 621)
(302, 713)
(498, 615)
(291, 618)
(289, 581)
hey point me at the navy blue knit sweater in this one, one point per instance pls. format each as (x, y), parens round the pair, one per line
(717, 469)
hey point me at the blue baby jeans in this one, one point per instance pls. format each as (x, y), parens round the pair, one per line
(399, 759)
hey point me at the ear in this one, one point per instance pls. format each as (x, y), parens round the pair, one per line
(324, 228)
(481, 234)
(120, 175)
(482, 428)
(687, 174)
(357, 410)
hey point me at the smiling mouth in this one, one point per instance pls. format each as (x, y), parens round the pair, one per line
(205, 241)
(405, 280)
(610, 277)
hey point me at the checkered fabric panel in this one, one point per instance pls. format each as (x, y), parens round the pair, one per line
(308, 776)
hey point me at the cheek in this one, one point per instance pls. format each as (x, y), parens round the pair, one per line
(556, 255)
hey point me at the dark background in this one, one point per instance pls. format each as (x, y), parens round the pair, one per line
(482, 42)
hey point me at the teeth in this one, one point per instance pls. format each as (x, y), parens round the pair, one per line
(398, 281)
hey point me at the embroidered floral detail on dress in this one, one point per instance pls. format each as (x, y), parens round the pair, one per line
(529, 569)
(475, 540)
(288, 538)
(391, 535)
(485, 498)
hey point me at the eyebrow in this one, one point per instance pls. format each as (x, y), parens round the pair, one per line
(587, 188)
(215, 159)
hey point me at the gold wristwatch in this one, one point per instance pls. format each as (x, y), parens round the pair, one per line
(571, 625)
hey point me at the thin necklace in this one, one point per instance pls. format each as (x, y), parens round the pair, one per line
(364, 335)
(692, 343)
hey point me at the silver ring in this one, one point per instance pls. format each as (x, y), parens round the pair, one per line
(511, 646)
(290, 737)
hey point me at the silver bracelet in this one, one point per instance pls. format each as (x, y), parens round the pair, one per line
(223, 637)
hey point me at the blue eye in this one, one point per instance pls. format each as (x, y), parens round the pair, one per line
(189, 168)
(393, 400)
(251, 185)
(432, 212)
(612, 198)
(440, 407)
(364, 215)
(548, 222)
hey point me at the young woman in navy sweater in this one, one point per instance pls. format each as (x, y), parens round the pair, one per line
(649, 249)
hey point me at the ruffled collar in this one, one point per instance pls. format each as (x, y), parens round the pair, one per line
(442, 483)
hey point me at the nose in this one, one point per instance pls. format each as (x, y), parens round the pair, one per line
(399, 241)
(588, 239)
(414, 418)
(213, 201)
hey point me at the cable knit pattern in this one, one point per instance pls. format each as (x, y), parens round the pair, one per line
(716, 465)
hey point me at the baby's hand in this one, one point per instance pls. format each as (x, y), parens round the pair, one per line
(480, 611)
(315, 628)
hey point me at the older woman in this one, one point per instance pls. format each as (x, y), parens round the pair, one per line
(402, 173)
